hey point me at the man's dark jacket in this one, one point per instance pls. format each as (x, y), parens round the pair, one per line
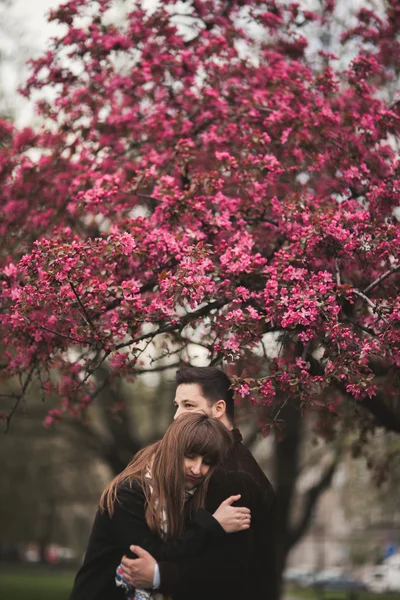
(216, 573)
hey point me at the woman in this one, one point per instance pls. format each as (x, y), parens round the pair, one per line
(157, 503)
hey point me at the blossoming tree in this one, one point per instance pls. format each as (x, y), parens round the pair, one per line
(203, 177)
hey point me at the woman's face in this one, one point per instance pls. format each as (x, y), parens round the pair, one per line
(196, 468)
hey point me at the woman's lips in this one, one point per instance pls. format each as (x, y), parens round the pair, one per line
(193, 478)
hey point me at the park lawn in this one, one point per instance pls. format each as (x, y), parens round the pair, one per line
(35, 586)
(310, 594)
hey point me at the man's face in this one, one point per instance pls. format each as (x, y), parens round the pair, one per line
(189, 398)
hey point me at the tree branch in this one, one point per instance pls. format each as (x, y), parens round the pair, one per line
(19, 398)
(146, 287)
(374, 307)
(338, 278)
(384, 417)
(376, 405)
(68, 337)
(311, 499)
(92, 370)
(366, 299)
(179, 325)
(85, 313)
(380, 279)
(174, 365)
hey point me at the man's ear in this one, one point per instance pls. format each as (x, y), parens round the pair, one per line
(219, 409)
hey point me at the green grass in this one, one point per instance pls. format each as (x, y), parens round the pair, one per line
(310, 594)
(35, 585)
(49, 585)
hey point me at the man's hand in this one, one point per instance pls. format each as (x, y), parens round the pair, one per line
(139, 571)
(233, 518)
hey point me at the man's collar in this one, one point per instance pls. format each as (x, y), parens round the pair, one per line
(237, 436)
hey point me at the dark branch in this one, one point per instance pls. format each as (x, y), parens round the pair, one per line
(85, 313)
(18, 399)
(159, 368)
(146, 287)
(337, 270)
(92, 370)
(311, 500)
(68, 337)
(384, 416)
(380, 279)
(178, 326)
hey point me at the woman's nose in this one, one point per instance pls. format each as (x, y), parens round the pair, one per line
(196, 467)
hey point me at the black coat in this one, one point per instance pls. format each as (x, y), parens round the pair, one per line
(264, 517)
(206, 562)
(242, 565)
(111, 537)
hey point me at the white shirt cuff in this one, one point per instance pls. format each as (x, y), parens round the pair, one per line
(156, 577)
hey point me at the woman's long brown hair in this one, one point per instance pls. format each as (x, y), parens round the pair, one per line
(194, 434)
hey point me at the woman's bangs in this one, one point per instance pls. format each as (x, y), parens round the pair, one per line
(204, 442)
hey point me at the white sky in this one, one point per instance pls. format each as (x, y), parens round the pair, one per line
(24, 34)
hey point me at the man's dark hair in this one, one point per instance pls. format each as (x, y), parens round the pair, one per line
(214, 384)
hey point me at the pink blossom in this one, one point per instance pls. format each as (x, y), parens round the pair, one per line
(243, 390)
(198, 196)
(10, 270)
(128, 243)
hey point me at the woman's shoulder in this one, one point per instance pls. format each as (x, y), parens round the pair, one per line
(132, 488)
(128, 495)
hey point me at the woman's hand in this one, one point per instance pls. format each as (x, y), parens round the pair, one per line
(233, 518)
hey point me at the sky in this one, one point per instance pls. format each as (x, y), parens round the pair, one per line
(24, 34)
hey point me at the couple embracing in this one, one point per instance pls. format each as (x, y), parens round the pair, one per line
(192, 517)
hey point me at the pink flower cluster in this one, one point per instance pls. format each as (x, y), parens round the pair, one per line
(184, 191)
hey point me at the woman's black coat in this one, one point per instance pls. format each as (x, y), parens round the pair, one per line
(111, 537)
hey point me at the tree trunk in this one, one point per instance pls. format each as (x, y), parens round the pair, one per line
(287, 456)
(46, 535)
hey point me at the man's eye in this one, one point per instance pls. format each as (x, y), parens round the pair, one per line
(188, 405)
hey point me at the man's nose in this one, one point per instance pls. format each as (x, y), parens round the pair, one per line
(178, 412)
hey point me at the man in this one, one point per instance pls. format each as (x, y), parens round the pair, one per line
(207, 389)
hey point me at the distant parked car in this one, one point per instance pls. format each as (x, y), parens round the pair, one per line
(299, 576)
(385, 577)
(377, 580)
(340, 582)
(306, 580)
